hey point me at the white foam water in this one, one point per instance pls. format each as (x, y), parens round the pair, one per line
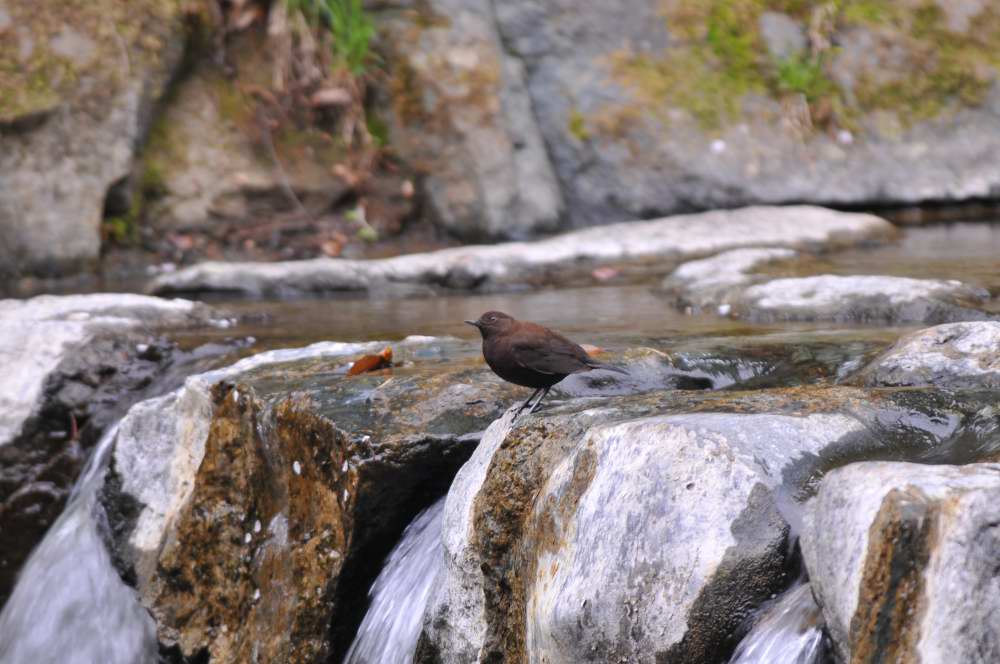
(789, 631)
(69, 605)
(389, 631)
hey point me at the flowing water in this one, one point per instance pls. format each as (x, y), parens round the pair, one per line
(388, 634)
(788, 631)
(70, 606)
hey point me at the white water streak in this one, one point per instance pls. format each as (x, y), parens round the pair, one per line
(69, 605)
(389, 632)
(790, 631)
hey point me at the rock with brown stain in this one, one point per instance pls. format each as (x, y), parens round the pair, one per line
(252, 508)
(902, 559)
(643, 529)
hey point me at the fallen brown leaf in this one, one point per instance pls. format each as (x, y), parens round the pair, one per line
(372, 362)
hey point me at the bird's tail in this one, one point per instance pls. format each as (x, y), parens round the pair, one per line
(593, 364)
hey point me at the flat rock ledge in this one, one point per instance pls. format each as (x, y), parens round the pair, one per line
(902, 559)
(728, 285)
(656, 245)
(955, 356)
(71, 365)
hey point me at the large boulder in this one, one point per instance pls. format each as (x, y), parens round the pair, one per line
(646, 246)
(78, 84)
(955, 356)
(685, 104)
(463, 115)
(902, 559)
(543, 557)
(250, 507)
(72, 365)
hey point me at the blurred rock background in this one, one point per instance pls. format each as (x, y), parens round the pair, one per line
(142, 133)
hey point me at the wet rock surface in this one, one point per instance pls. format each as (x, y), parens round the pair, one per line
(287, 477)
(955, 356)
(249, 506)
(543, 555)
(901, 558)
(73, 365)
(641, 247)
(727, 284)
(862, 299)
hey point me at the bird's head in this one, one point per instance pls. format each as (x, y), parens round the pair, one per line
(492, 322)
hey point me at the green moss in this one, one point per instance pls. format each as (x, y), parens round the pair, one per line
(806, 75)
(37, 79)
(947, 70)
(124, 229)
(717, 56)
(577, 126)
(377, 128)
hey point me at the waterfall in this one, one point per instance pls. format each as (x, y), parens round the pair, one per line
(789, 631)
(69, 605)
(389, 631)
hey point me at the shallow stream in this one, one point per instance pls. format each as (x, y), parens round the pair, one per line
(723, 351)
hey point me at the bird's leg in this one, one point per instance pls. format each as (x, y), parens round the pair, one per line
(539, 400)
(526, 403)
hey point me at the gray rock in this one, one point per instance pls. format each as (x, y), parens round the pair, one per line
(207, 167)
(783, 35)
(39, 334)
(710, 282)
(455, 617)
(957, 355)
(642, 155)
(901, 557)
(544, 560)
(468, 120)
(660, 243)
(74, 362)
(865, 298)
(69, 139)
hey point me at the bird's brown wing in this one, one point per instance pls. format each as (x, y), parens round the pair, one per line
(552, 354)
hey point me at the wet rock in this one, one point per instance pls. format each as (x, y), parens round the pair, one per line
(543, 558)
(861, 299)
(72, 366)
(901, 557)
(462, 112)
(954, 356)
(714, 281)
(655, 246)
(76, 106)
(252, 507)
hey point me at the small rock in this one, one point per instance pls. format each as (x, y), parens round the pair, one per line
(952, 356)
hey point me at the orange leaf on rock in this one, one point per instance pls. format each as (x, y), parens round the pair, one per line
(372, 362)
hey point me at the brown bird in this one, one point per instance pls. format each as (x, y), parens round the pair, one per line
(528, 354)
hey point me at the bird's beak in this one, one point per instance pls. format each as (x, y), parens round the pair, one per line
(473, 323)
